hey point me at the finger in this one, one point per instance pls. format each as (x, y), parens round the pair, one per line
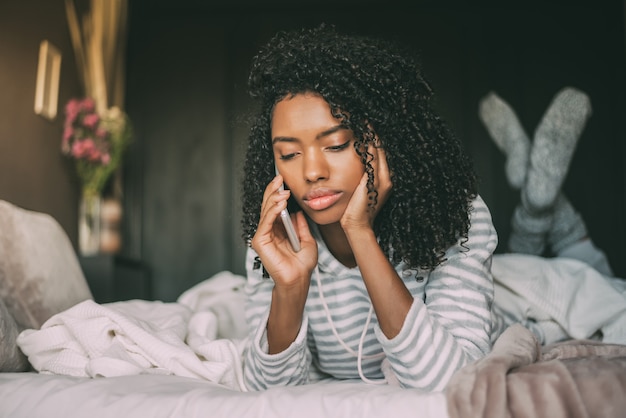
(267, 227)
(361, 194)
(383, 168)
(271, 211)
(302, 227)
(271, 188)
(273, 194)
(276, 203)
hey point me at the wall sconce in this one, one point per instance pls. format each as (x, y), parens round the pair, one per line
(48, 74)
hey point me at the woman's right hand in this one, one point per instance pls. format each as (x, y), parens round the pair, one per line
(287, 268)
(290, 270)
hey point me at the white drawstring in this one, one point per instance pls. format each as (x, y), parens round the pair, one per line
(359, 355)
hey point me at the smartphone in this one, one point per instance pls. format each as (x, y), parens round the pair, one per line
(284, 216)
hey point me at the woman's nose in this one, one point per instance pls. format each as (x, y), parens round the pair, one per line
(315, 167)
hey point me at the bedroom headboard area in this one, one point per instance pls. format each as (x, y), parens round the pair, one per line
(186, 67)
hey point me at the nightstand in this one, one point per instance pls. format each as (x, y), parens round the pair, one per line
(114, 278)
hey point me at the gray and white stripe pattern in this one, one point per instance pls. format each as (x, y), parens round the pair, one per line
(448, 325)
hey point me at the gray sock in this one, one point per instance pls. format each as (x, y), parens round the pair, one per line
(567, 227)
(529, 230)
(506, 131)
(553, 146)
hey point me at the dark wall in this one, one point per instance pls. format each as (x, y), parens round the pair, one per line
(187, 69)
(177, 97)
(33, 172)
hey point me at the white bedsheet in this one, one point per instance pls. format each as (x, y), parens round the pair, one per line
(152, 359)
(31, 395)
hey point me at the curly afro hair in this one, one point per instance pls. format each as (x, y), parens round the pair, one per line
(376, 89)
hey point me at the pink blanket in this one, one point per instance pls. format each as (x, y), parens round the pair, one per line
(519, 378)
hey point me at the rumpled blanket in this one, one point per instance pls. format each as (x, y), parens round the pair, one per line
(519, 378)
(141, 337)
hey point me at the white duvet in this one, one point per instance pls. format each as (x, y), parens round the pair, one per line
(146, 337)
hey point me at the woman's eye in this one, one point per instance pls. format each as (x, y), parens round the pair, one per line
(288, 156)
(339, 147)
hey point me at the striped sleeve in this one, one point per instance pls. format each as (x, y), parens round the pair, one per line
(451, 327)
(263, 370)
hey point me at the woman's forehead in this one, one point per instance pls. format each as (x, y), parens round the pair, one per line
(305, 111)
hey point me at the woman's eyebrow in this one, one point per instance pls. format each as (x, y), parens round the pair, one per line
(283, 139)
(330, 131)
(320, 135)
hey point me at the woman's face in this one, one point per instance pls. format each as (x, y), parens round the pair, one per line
(315, 155)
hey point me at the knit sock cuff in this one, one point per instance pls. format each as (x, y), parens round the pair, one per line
(529, 231)
(568, 226)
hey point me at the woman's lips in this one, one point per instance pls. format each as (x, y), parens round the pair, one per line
(320, 200)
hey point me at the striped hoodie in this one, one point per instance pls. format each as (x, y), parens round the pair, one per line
(448, 325)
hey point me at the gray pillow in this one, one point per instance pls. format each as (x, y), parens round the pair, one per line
(11, 358)
(39, 272)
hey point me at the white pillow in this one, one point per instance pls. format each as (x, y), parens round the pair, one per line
(39, 272)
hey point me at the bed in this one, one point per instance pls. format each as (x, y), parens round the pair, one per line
(62, 354)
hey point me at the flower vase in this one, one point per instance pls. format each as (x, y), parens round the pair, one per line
(89, 224)
(110, 233)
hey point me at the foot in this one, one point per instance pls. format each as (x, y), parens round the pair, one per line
(509, 136)
(554, 143)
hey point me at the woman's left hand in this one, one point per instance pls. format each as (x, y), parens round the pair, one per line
(359, 214)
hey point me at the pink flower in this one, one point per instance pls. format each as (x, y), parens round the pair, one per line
(79, 149)
(71, 111)
(89, 138)
(91, 120)
(94, 153)
(88, 105)
(88, 144)
(68, 132)
(91, 151)
(83, 149)
(94, 156)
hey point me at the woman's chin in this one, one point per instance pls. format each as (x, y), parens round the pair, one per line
(323, 217)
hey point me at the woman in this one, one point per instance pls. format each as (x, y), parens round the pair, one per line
(392, 281)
